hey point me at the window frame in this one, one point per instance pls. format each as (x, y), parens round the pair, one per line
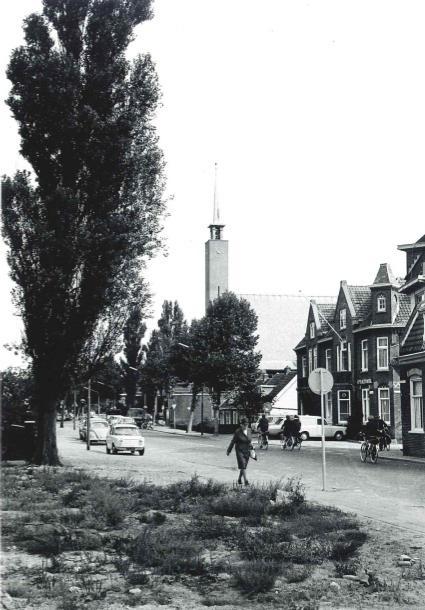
(379, 299)
(329, 407)
(412, 380)
(328, 359)
(379, 350)
(339, 400)
(312, 330)
(364, 355)
(314, 358)
(366, 410)
(304, 366)
(380, 400)
(342, 348)
(343, 318)
(310, 360)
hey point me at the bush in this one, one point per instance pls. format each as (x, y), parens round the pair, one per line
(256, 576)
(297, 573)
(239, 505)
(267, 544)
(342, 568)
(109, 506)
(170, 550)
(211, 527)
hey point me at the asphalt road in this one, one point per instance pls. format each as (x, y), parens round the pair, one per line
(390, 492)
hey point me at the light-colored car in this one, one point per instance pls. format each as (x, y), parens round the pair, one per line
(98, 429)
(114, 419)
(311, 427)
(125, 437)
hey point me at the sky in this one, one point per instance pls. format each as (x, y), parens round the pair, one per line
(315, 113)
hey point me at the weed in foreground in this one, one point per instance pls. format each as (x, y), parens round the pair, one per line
(297, 573)
(343, 568)
(256, 576)
(172, 551)
(267, 543)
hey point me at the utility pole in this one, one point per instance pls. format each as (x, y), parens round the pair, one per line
(88, 414)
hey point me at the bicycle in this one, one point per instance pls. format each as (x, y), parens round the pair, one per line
(262, 441)
(290, 442)
(369, 449)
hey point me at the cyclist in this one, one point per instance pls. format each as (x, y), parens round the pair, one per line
(263, 428)
(296, 429)
(286, 430)
(383, 432)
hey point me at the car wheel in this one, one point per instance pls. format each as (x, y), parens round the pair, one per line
(338, 436)
(304, 436)
(108, 451)
(141, 452)
(132, 451)
(114, 451)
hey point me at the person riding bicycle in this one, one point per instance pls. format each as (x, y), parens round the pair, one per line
(286, 429)
(263, 427)
(372, 428)
(296, 428)
(384, 433)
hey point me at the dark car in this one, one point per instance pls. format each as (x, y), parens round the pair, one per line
(138, 414)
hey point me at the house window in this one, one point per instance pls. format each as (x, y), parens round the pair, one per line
(328, 359)
(381, 303)
(416, 404)
(315, 358)
(344, 406)
(344, 356)
(365, 403)
(365, 355)
(304, 366)
(310, 360)
(312, 330)
(328, 407)
(343, 319)
(382, 348)
(384, 404)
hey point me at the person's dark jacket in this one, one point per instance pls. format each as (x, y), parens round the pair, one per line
(263, 425)
(286, 428)
(295, 427)
(242, 443)
(371, 428)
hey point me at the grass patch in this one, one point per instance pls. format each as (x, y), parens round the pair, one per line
(171, 551)
(256, 576)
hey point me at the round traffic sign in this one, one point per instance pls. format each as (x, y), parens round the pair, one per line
(320, 381)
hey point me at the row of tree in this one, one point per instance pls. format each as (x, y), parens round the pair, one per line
(216, 352)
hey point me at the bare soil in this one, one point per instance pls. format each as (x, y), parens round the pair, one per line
(102, 578)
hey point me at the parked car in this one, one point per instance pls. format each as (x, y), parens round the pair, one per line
(311, 426)
(114, 419)
(138, 414)
(82, 429)
(125, 437)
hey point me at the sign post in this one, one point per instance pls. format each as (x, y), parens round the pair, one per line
(321, 382)
(88, 414)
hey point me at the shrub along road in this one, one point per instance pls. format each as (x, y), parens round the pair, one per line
(390, 492)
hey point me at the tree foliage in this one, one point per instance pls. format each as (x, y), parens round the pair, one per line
(134, 331)
(159, 370)
(222, 353)
(79, 228)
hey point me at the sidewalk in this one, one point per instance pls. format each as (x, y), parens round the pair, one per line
(177, 431)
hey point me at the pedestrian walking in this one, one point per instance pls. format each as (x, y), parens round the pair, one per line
(242, 442)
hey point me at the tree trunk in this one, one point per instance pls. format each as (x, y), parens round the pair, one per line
(192, 409)
(46, 451)
(216, 404)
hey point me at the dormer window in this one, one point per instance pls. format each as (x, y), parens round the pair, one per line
(343, 319)
(381, 303)
(312, 330)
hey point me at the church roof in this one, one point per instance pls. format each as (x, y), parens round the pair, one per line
(281, 322)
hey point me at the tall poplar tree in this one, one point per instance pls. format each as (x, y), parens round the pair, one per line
(79, 226)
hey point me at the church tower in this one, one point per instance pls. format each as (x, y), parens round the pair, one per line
(216, 255)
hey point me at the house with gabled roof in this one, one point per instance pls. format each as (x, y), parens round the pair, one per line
(356, 341)
(411, 361)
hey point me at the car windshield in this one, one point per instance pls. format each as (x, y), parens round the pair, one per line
(99, 424)
(127, 431)
(278, 421)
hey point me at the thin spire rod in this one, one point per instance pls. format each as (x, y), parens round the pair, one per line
(216, 214)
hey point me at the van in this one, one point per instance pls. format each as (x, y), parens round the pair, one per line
(311, 427)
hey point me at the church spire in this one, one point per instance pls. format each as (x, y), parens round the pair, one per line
(216, 228)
